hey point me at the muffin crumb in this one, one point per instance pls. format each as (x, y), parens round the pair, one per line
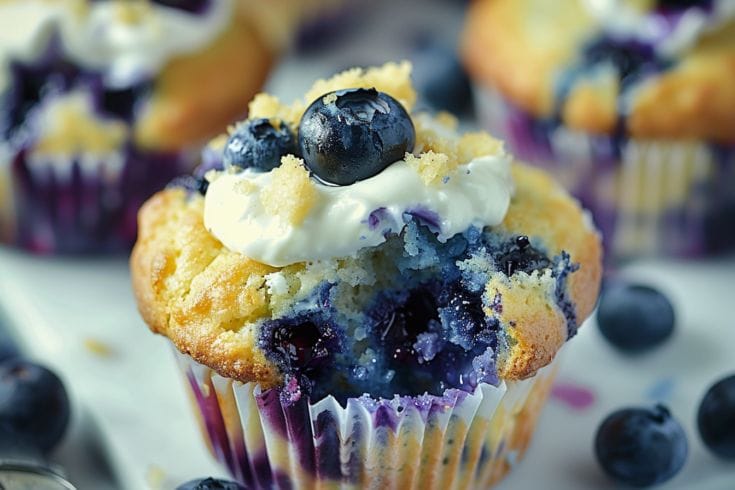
(291, 194)
(433, 168)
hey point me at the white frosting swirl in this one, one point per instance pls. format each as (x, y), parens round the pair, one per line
(100, 36)
(619, 19)
(349, 218)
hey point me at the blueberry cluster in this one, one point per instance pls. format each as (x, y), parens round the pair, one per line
(343, 137)
(429, 329)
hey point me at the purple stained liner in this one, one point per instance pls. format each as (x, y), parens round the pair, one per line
(329, 443)
(213, 421)
(83, 213)
(64, 206)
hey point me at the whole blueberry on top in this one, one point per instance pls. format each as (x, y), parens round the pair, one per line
(716, 418)
(33, 403)
(354, 134)
(258, 144)
(210, 484)
(634, 317)
(641, 446)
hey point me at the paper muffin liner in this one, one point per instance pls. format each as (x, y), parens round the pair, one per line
(649, 197)
(81, 204)
(458, 440)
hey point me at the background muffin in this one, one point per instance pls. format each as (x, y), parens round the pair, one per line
(404, 314)
(103, 103)
(627, 102)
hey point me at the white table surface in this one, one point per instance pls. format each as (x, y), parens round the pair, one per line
(130, 408)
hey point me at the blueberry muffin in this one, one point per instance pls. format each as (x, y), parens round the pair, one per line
(102, 103)
(628, 102)
(361, 296)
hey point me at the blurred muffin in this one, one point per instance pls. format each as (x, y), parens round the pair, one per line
(104, 102)
(628, 102)
(362, 296)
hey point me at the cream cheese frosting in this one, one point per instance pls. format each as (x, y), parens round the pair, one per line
(124, 40)
(345, 219)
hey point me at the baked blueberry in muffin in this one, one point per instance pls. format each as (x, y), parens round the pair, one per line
(390, 274)
(101, 105)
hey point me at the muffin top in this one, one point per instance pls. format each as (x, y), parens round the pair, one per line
(81, 71)
(652, 69)
(343, 245)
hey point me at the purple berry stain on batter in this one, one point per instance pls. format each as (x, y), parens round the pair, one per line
(572, 395)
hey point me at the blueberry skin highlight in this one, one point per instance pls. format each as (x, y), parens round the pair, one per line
(210, 484)
(354, 135)
(257, 144)
(635, 318)
(641, 446)
(716, 418)
(33, 403)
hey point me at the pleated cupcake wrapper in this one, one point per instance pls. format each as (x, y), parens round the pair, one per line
(647, 196)
(456, 441)
(79, 204)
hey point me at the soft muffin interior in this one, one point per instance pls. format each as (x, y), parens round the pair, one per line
(411, 316)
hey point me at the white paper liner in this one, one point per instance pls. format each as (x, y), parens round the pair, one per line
(460, 440)
(653, 199)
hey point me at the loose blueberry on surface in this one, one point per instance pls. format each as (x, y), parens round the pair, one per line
(641, 446)
(210, 484)
(33, 402)
(353, 134)
(440, 78)
(634, 317)
(258, 144)
(716, 418)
